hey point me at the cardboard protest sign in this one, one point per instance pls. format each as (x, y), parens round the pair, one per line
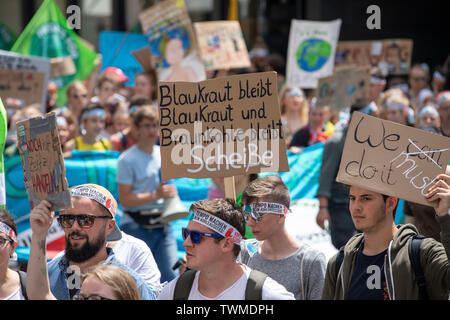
(172, 42)
(24, 77)
(42, 162)
(62, 66)
(311, 51)
(392, 159)
(222, 45)
(392, 56)
(362, 78)
(339, 90)
(221, 127)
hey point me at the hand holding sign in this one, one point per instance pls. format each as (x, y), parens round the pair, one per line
(439, 195)
(41, 218)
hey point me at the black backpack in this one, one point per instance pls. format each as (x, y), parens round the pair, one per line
(253, 291)
(414, 257)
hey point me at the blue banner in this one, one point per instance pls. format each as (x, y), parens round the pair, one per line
(100, 168)
(116, 48)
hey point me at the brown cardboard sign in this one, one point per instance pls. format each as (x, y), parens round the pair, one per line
(222, 45)
(339, 90)
(392, 56)
(144, 57)
(42, 161)
(392, 159)
(62, 67)
(221, 127)
(22, 84)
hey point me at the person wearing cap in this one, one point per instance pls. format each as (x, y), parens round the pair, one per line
(142, 193)
(117, 73)
(11, 282)
(376, 263)
(212, 241)
(296, 266)
(443, 101)
(87, 226)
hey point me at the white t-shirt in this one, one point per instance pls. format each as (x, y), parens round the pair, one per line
(16, 295)
(136, 254)
(272, 290)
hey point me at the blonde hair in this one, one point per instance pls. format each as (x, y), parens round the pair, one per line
(304, 112)
(121, 282)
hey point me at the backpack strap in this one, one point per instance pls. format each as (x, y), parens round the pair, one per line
(255, 282)
(184, 285)
(414, 257)
(102, 141)
(23, 283)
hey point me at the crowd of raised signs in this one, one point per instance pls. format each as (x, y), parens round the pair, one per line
(102, 117)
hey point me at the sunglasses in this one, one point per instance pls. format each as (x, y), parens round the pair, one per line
(255, 215)
(196, 236)
(3, 241)
(79, 96)
(90, 297)
(85, 221)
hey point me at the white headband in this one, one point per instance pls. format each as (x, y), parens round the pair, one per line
(218, 225)
(8, 231)
(269, 207)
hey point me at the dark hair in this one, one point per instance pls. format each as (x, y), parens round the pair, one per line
(7, 219)
(228, 211)
(359, 104)
(152, 76)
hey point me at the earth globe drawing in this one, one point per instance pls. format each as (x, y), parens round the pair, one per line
(312, 54)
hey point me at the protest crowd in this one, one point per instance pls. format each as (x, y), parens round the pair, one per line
(236, 248)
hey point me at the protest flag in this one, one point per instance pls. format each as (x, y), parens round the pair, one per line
(7, 37)
(48, 35)
(3, 131)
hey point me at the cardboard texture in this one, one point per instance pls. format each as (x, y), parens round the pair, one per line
(144, 57)
(341, 89)
(173, 45)
(24, 77)
(311, 51)
(392, 159)
(221, 127)
(62, 67)
(42, 162)
(392, 56)
(222, 45)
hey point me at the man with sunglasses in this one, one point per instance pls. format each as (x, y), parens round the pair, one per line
(86, 226)
(212, 240)
(297, 266)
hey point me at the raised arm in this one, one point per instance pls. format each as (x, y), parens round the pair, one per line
(38, 286)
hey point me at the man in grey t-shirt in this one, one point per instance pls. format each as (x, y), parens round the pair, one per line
(298, 267)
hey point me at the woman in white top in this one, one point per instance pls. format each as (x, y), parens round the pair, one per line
(10, 286)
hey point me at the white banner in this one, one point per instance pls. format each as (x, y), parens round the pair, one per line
(311, 51)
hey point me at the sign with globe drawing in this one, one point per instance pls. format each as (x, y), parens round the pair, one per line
(311, 51)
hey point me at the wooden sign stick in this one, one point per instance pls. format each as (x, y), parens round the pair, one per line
(230, 189)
